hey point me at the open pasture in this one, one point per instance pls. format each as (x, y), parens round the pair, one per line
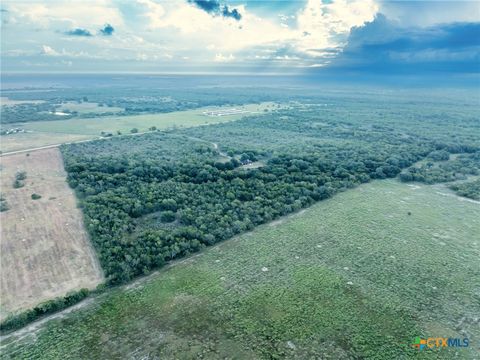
(124, 124)
(43, 133)
(355, 276)
(88, 108)
(45, 251)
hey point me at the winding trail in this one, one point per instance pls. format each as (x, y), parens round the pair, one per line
(72, 142)
(214, 144)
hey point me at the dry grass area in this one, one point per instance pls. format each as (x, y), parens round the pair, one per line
(30, 140)
(45, 251)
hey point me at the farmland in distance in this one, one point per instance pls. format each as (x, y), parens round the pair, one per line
(44, 133)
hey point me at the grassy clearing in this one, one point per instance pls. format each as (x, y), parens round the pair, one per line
(42, 133)
(95, 126)
(88, 108)
(353, 276)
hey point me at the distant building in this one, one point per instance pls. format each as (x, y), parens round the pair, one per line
(225, 112)
(12, 131)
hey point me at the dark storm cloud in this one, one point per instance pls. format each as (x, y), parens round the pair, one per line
(226, 12)
(210, 6)
(107, 30)
(215, 8)
(78, 32)
(384, 46)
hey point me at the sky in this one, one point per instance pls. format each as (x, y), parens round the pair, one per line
(234, 36)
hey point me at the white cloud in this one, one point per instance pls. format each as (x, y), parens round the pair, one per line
(287, 57)
(161, 31)
(49, 51)
(315, 27)
(196, 27)
(319, 65)
(154, 12)
(62, 14)
(223, 58)
(327, 25)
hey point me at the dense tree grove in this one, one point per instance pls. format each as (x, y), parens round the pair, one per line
(469, 189)
(151, 198)
(28, 112)
(446, 170)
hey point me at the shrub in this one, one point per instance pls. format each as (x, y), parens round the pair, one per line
(4, 206)
(36, 196)
(439, 155)
(167, 216)
(21, 175)
(18, 184)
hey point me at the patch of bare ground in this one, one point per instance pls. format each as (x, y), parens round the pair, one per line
(44, 249)
(253, 165)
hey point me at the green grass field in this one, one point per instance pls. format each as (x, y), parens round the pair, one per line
(356, 276)
(88, 107)
(95, 126)
(43, 133)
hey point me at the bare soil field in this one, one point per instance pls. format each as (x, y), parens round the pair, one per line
(44, 249)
